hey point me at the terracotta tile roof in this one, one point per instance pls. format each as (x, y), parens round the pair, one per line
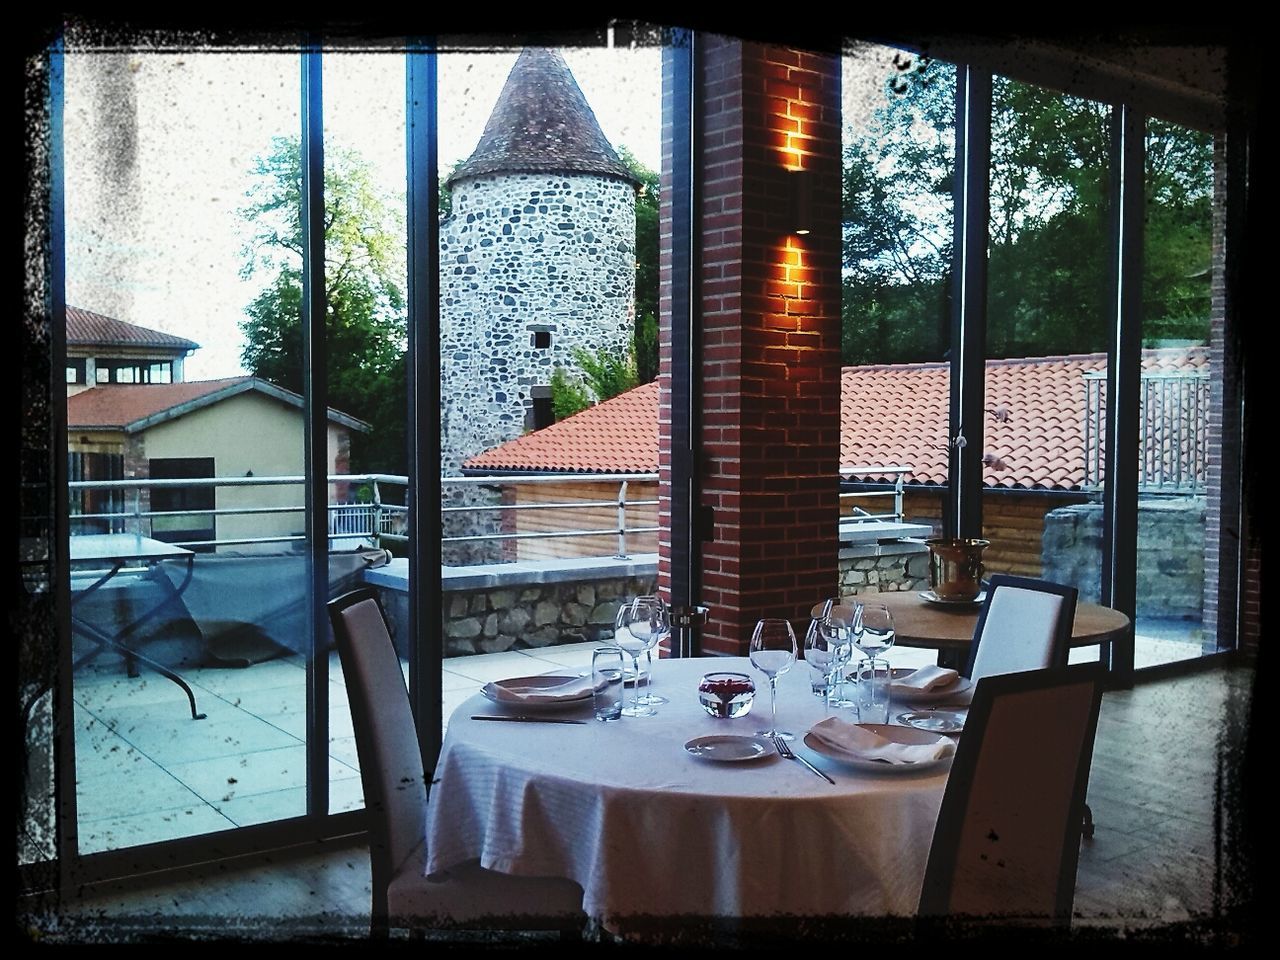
(892, 415)
(542, 122)
(617, 436)
(133, 407)
(88, 329)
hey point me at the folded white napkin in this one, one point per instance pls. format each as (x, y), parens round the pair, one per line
(865, 745)
(925, 679)
(512, 691)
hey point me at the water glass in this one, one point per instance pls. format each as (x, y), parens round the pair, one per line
(606, 677)
(871, 691)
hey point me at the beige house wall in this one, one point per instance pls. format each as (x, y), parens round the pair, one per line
(247, 432)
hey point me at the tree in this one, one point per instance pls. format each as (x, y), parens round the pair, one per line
(365, 309)
(646, 317)
(1048, 229)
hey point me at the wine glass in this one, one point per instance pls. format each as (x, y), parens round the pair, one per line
(632, 634)
(877, 632)
(841, 619)
(659, 627)
(773, 651)
(820, 653)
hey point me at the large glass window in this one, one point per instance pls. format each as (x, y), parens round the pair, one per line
(898, 167)
(548, 306)
(161, 152)
(1180, 419)
(1048, 334)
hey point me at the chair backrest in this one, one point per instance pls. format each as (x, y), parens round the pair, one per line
(391, 769)
(1025, 624)
(1007, 840)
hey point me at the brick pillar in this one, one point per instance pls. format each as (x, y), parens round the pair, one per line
(771, 337)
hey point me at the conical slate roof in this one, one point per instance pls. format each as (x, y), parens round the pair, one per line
(542, 123)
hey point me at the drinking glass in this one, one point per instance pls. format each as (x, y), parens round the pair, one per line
(821, 656)
(606, 678)
(632, 635)
(871, 690)
(773, 651)
(660, 627)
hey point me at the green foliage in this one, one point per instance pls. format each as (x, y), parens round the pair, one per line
(365, 309)
(604, 375)
(568, 395)
(1048, 228)
(646, 323)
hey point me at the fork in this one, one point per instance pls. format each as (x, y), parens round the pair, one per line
(786, 753)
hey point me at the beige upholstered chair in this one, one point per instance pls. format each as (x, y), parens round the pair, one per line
(1025, 624)
(1007, 840)
(395, 795)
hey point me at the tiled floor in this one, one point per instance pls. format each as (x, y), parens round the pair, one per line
(147, 772)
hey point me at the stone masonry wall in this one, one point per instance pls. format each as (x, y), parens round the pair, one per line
(521, 616)
(1171, 568)
(525, 255)
(531, 266)
(514, 615)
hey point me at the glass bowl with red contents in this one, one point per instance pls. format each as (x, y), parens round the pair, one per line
(725, 695)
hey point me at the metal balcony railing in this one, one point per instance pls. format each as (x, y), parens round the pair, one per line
(1173, 428)
(380, 521)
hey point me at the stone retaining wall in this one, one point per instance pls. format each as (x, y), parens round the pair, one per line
(1170, 554)
(515, 606)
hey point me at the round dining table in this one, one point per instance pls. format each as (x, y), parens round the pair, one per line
(921, 623)
(652, 832)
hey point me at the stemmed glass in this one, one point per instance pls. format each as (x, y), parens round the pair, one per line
(659, 627)
(841, 619)
(821, 654)
(877, 633)
(632, 634)
(773, 651)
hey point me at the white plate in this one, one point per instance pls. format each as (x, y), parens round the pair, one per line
(546, 680)
(902, 695)
(928, 596)
(935, 721)
(897, 734)
(729, 748)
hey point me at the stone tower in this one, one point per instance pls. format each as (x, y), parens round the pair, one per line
(537, 257)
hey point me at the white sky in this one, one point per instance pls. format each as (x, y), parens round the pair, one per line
(157, 241)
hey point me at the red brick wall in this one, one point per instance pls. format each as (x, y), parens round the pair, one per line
(771, 337)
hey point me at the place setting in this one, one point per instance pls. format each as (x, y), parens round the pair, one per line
(536, 698)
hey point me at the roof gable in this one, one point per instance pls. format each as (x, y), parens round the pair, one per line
(88, 329)
(136, 407)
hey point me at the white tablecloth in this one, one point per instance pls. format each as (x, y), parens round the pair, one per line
(649, 830)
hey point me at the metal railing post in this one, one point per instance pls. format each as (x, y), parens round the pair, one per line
(897, 499)
(622, 521)
(377, 515)
(137, 511)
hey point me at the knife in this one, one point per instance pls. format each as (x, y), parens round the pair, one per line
(526, 719)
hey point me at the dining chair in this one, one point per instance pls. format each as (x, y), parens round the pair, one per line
(395, 796)
(1007, 841)
(1025, 624)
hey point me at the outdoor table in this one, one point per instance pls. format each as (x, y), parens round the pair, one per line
(118, 551)
(650, 831)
